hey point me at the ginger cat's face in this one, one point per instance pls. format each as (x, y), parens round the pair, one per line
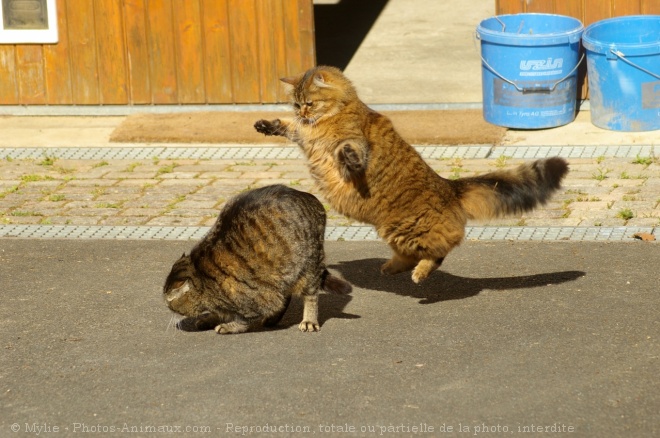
(318, 93)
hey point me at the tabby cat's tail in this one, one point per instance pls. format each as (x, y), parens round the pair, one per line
(512, 191)
(335, 285)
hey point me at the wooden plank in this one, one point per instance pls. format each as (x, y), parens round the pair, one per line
(30, 74)
(189, 53)
(292, 35)
(244, 51)
(503, 7)
(57, 71)
(271, 48)
(625, 7)
(162, 59)
(217, 58)
(279, 22)
(307, 43)
(570, 8)
(8, 84)
(82, 53)
(113, 82)
(281, 56)
(542, 6)
(596, 10)
(650, 7)
(137, 51)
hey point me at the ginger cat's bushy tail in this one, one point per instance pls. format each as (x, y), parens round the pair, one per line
(511, 192)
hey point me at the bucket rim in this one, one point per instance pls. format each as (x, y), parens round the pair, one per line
(628, 49)
(543, 39)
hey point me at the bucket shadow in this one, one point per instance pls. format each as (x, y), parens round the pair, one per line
(441, 286)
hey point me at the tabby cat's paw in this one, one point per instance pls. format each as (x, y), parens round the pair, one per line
(309, 326)
(230, 328)
(351, 160)
(268, 127)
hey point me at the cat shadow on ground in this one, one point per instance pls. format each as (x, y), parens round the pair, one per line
(330, 306)
(441, 286)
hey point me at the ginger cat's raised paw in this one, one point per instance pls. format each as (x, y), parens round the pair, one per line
(268, 127)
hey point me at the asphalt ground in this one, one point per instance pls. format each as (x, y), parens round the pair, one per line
(509, 336)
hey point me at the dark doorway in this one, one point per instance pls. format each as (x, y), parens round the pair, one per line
(340, 29)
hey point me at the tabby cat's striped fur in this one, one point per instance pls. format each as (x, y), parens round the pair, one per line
(266, 245)
(369, 173)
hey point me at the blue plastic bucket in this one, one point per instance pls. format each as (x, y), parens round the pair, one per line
(623, 66)
(529, 69)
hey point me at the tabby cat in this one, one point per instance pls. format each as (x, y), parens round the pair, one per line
(369, 173)
(266, 245)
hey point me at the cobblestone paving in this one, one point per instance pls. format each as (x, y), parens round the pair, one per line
(601, 191)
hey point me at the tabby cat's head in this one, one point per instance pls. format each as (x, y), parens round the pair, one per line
(320, 91)
(179, 291)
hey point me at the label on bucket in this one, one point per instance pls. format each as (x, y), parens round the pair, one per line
(506, 94)
(651, 95)
(541, 67)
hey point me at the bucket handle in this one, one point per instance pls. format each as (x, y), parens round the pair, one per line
(623, 58)
(522, 23)
(536, 88)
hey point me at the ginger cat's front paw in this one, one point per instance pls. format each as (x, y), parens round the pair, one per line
(309, 326)
(266, 127)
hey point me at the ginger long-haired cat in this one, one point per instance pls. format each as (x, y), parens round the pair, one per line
(369, 173)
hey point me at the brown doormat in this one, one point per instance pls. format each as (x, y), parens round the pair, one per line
(441, 127)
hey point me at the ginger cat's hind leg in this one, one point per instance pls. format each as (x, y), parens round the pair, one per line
(424, 268)
(398, 263)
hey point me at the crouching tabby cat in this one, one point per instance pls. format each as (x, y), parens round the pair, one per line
(266, 245)
(369, 173)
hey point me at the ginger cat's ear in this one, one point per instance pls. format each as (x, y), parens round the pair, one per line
(320, 80)
(291, 80)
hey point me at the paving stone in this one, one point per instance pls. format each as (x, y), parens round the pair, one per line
(268, 182)
(189, 212)
(135, 182)
(175, 221)
(580, 206)
(22, 220)
(196, 205)
(122, 220)
(91, 182)
(93, 212)
(141, 212)
(644, 222)
(179, 175)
